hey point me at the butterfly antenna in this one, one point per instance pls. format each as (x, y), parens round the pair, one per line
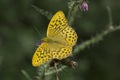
(36, 29)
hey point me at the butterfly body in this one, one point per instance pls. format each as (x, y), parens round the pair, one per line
(50, 40)
(58, 43)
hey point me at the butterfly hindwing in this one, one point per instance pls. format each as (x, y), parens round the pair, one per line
(62, 53)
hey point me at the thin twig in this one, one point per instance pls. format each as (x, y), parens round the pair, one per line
(54, 71)
(36, 30)
(95, 39)
(26, 75)
(110, 17)
(43, 12)
(55, 64)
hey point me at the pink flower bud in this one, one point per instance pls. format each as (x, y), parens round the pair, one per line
(84, 6)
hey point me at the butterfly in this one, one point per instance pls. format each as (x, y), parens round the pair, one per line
(58, 43)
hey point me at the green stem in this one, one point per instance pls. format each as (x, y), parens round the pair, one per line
(26, 75)
(73, 8)
(110, 16)
(43, 12)
(41, 72)
(54, 71)
(94, 40)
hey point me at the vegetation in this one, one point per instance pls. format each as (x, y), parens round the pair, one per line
(23, 23)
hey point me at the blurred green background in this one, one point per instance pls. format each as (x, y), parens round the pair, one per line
(18, 39)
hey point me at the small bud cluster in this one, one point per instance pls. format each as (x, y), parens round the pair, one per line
(84, 6)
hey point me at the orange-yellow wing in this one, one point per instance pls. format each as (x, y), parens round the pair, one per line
(48, 51)
(42, 55)
(62, 52)
(62, 38)
(59, 30)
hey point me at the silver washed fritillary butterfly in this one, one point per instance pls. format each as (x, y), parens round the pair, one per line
(58, 43)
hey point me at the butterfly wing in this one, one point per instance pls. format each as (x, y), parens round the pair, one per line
(70, 35)
(63, 39)
(48, 51)
(62, 52)
(57, 24)
(59, 30)
(42, 55)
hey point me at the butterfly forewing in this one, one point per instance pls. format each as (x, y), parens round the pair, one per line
(42, 55)
(57, 24)
(60, 31)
